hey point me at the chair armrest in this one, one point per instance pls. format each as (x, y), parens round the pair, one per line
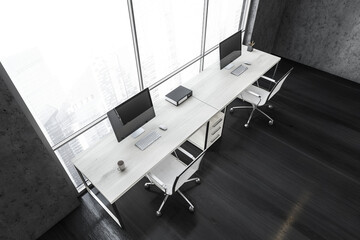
(186, 153)
(253, 93)
(269, 79)
(157, 180)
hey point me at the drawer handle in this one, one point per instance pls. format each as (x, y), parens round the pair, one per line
(217, 122)
(213, 140)
(216, 130)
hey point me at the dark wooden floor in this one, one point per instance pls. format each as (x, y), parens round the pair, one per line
(297, 179)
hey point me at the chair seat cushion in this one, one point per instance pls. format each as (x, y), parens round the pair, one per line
(166, 171)
(250, 98)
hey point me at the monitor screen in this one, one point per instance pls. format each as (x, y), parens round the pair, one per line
(131, 114)
(230, 49)
(134, 106)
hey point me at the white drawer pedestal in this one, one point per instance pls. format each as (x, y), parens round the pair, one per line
(209, 132)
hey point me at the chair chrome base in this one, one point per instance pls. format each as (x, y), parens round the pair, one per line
(253, 107)
(191, 206)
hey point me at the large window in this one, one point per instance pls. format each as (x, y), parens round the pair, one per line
(223, 20)
(72, 61)
(169, 35)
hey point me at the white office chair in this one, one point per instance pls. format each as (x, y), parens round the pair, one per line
(171, 173)
(257, 96)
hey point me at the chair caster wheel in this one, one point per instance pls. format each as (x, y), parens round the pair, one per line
(158, 213)
(191, 209)
(231, 110)
(271, 122)
(147, 186)
(246, 125)
(198, 181)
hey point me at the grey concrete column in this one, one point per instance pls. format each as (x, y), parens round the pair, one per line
(251, 21)
(265, 22)
(35, 191)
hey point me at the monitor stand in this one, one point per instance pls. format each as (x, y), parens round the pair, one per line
(229, 66)
(137, 132)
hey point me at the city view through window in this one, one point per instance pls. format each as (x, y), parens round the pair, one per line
(73, 64)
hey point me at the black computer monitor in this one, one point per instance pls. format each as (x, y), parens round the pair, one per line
(130, 115)
(230, 49)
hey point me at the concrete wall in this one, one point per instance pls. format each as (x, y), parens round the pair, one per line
(35, 191)
(249, 28)
(324, 34)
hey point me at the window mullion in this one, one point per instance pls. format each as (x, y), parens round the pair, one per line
(203, 38)
(135, 43)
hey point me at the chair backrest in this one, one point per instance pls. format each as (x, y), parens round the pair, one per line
(188, 172)
(278, 84)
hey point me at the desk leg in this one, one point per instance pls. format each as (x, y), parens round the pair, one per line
(276, 66)
(118, 215)
(116, 218)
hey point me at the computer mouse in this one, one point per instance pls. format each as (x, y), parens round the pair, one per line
(163, 127)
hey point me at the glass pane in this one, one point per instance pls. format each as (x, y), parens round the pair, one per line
(86, 140)
(169, 35)
(212, 58)
(71, 61)
(223, 20)
(159, 92)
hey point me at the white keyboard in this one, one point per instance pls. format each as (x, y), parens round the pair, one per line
(239, 70)
(147, 140)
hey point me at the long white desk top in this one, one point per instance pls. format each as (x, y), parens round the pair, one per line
(218, 87)
(213, 89)
(99, 163)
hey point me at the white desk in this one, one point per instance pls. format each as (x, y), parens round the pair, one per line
(99, 163)
(218, 88)
(213, 90)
